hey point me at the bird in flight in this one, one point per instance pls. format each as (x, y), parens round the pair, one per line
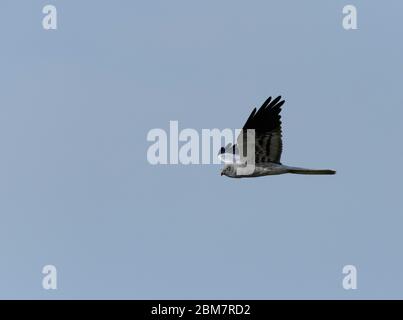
(261, 144)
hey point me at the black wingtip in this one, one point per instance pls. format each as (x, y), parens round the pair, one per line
(267, 117)
(279, 98)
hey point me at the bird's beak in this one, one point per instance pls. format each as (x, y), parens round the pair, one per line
(222, 174)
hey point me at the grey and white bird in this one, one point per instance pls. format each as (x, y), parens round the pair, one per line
(262, 134)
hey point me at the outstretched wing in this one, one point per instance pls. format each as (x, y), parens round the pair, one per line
(229, 154)
(267, 125)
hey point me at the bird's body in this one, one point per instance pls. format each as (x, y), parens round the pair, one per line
(266, 143)
(264, 169)
(271, 169)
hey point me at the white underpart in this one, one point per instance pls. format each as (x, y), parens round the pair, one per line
(229, 158)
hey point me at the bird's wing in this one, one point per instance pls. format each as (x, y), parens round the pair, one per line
(229, 154)
(267, 125)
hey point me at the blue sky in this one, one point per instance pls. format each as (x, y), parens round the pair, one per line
(77, 192)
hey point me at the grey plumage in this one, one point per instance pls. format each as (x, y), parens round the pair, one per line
(267, 144)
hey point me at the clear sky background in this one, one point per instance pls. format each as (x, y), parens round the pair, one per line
(77, 192)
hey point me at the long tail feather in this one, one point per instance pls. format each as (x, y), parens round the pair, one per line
(310, 171)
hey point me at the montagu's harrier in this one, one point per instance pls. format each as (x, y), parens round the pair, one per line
(261, 146)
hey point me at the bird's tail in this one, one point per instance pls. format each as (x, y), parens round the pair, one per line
(310, 171)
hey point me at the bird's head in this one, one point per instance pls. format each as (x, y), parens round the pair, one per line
(229, 170)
